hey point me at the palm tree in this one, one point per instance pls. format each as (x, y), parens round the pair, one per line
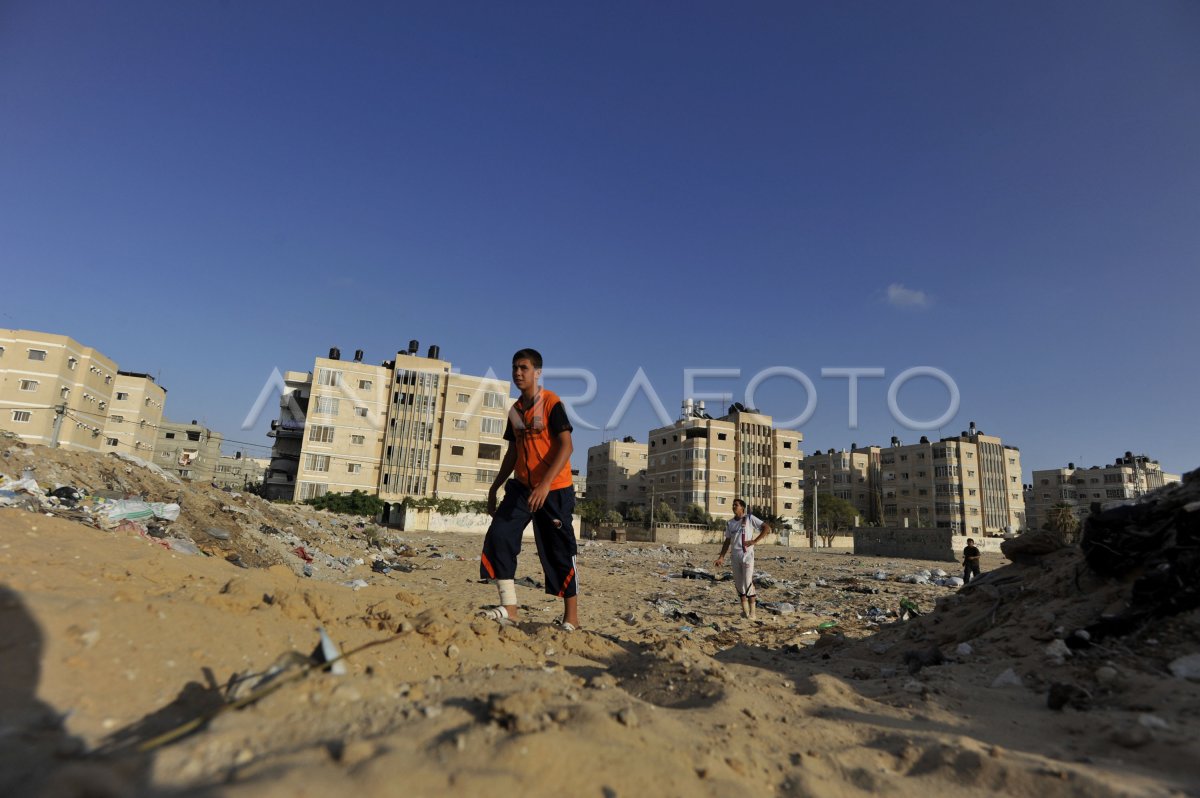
(1061, 518)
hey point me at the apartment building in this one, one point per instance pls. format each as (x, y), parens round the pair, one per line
(1126, 477)
(711, 461)
(851, 475)
(238, 472)
(970, 483)
(288, 432)
(410, 427)
(54, 390)
(190, 451)
(616, 474)
(134, 414)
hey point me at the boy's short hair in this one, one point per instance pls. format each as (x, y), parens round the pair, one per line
(532, 355)
(742, 502)
(970, 540)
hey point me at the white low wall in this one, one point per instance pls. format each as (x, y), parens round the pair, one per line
(959, 542)
(464, 523)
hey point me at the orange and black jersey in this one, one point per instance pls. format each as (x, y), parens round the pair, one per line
(532, 428)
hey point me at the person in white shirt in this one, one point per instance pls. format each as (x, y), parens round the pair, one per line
(741, 533)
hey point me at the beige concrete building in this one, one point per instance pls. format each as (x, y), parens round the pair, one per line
(190, 451)
(1126, 477)
(410, 427)
(970, 484)
(851, 475)
(238, 472)
(711, 461)
(54, 390)
(134, 414)
(616, 474)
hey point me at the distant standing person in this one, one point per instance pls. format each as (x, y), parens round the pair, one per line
(539, 457)
(738, 536)
(970, 561)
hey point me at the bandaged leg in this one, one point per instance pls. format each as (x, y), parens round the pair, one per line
(506, 612)
(508, 592)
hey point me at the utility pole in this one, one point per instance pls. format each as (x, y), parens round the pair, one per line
(652, 535)
(812, 537)
(59, 413)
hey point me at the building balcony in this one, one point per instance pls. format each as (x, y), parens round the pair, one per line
(287, 428)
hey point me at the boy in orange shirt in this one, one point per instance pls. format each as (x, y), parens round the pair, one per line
(539, 459)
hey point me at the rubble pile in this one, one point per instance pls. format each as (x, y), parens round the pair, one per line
(124, 494)
(1092, 628)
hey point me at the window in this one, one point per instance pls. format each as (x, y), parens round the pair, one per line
(493, 399)
(721, 458)
(37, 354)
(787, 505)
(110, 441)
(787, 463)
(457, 451)
(489, 451)
(319, 434)
(354, 468)
(454, 476)
(361, 412)
(720, 436)
(169, 436)
(121, 396)
(326, 406)
(364, 385)
(463, 398)
(485, 475)
(72, 363)
(787, 445)
(357, 440)
(460, 423)
(316, 462)
(117, 419)
(29, 385)
(491, 426)
(329, 377)
(65, 392)
(311, 490)
(21, 416)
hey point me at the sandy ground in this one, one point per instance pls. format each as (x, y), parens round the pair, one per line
(109, 639)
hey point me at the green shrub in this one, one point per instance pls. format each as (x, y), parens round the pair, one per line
(356, 502)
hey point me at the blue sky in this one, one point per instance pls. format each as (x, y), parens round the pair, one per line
(1007, 192)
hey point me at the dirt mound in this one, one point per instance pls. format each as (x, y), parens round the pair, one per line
(109, 640)
(240, 527)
